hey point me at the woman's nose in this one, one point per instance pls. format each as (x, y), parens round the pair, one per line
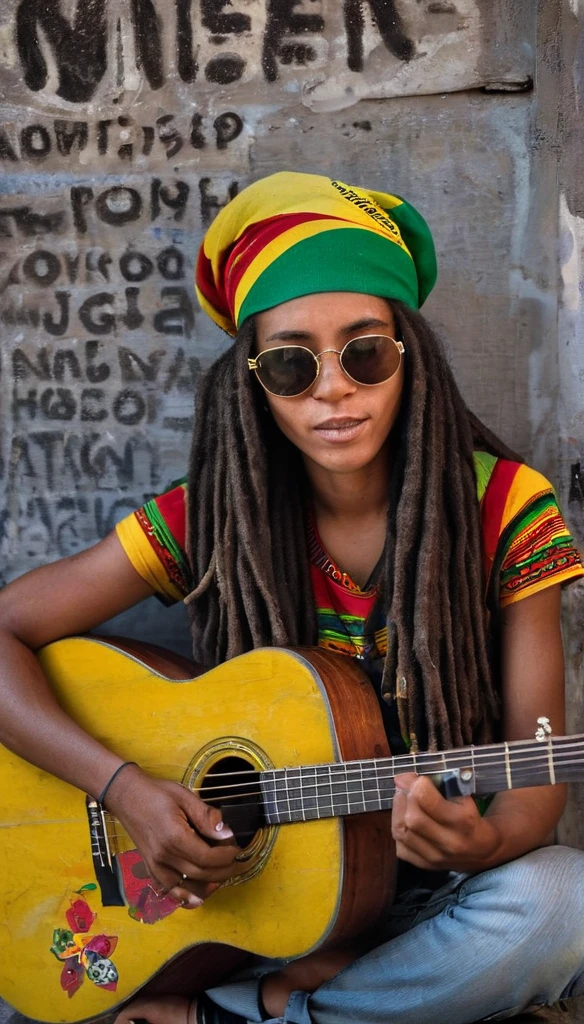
(332, 382)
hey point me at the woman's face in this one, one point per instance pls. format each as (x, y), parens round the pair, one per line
(338, 425)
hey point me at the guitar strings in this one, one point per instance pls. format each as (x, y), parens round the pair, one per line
(474, 755)
(300, 784)
(289, 795)
(384, 765)
(299, 792)
(540, 770)
(364, 806)
(486, 757)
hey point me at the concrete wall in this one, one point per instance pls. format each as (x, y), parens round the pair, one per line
(126, 124)
(559, 145)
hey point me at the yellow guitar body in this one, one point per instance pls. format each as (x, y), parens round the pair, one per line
(267, 707)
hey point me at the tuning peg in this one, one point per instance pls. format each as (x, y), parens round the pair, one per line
(544, 729)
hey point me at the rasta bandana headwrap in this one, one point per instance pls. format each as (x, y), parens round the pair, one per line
(295, 234)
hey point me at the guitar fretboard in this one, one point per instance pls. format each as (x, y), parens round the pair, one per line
(353, 787)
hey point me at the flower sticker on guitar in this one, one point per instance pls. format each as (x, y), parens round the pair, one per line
(82, 954)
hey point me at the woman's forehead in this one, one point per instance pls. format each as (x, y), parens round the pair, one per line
(337, 311)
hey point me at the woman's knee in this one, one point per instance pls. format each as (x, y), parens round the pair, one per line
(550, 875)
(533, 909)
(543, 892)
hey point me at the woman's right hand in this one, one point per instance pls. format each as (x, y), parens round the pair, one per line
(176, 834)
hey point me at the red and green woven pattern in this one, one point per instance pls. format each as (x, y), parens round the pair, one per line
(539, 551)
(161, 519)
(296, 234)
(153, 538)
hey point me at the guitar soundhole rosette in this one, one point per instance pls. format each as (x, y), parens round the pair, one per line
(225, 773)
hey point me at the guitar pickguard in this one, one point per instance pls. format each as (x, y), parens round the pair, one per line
(144, 902)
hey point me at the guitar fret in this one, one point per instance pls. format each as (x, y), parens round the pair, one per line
(344, 789)
(384, 791)
(287, 794)
(354, 784)
(311, 795)
(294, 793)
(302, 809)
(340, 792)
(508, 767)
(551, 763)
(369, 784)
(268, 782)
(330, 781)
(376, 775)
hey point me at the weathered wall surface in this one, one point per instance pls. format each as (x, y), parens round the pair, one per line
(560, 136)
(126, 124)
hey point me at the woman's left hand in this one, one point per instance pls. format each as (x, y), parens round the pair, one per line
(438, 834)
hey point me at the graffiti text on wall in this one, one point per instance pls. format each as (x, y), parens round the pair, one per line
(84, 47)
(123, 137)
(99, 372)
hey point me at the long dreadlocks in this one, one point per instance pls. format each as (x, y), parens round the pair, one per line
(247, 539)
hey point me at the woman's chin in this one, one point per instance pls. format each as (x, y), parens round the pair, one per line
(344, 462)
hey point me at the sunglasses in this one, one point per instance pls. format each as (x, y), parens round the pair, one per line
(287, 371)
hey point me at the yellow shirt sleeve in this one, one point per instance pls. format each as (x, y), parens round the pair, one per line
(154, 539)
(145, 560)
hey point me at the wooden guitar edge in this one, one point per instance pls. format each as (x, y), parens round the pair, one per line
(370, 863)
(167, 663)
(197, 969)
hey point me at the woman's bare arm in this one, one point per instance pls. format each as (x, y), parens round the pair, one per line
(532, 665)
(435, 833)
(165, 820)
(67, 597)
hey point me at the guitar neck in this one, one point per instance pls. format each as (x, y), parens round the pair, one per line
(316, 791)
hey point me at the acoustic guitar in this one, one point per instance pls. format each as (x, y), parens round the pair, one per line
(290, 745)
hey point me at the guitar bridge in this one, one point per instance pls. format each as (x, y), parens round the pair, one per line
(105, 872)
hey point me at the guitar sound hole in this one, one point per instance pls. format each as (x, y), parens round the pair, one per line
(233, 785)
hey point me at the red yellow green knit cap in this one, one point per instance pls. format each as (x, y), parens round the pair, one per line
(295, 234)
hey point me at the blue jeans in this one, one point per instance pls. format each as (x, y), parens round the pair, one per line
(482, 947)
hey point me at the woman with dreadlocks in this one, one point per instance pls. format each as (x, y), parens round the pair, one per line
(341, 493)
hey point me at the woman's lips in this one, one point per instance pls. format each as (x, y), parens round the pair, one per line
(340, 430)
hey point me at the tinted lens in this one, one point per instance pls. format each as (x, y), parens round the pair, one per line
(287, 371)
(371, 360)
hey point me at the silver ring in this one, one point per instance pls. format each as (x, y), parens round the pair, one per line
(184, 877)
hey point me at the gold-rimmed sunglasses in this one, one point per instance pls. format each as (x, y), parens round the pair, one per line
(287, 371)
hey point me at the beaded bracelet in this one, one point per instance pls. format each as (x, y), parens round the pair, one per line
(103, 793)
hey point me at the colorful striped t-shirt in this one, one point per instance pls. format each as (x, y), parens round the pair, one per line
(526, 547)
